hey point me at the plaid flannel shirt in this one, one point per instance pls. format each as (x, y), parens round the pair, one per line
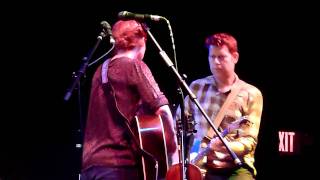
(248, 103)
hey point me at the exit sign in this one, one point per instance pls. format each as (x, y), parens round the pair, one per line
(289, 142)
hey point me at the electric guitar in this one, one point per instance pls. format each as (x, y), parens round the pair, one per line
(152, 140)
(234, 125)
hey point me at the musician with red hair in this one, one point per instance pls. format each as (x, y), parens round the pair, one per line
(244, 100)
(122, 87)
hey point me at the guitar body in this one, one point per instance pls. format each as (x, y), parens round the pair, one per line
(152, 140)
(192, 172)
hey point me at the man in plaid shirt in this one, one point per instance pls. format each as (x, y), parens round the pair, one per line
(211, 92)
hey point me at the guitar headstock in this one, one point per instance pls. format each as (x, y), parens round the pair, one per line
(191, 123)
(188, 126)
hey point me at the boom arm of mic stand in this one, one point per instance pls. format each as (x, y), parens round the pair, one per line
(192, 96)
(83, 67)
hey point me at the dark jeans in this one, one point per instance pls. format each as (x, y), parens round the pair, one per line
(108, 173)
(233, 174)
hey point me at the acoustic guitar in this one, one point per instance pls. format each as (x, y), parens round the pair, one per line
(152, 140)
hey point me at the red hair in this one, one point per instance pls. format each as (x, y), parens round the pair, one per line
(221, 39)
(127, 34)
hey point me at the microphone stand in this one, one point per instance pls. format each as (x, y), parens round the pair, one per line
(192, 97)
(85, 60)
(181, 134)
(76, 85)
(181, 129)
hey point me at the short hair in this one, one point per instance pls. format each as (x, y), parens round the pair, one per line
(127, 34)
(220, 39)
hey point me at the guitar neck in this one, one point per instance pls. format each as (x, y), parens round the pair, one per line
(231, 127)
(206, 150)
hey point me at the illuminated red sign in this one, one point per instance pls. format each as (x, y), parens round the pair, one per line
(287, 141)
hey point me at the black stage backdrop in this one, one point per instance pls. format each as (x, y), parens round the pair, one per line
(44, 43)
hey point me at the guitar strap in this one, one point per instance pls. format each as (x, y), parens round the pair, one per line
(217, 121)
(104, 70)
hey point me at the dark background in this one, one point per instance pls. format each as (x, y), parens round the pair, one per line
(45, 42)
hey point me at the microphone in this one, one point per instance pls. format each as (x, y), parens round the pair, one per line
(140, 17)
(107, 29)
